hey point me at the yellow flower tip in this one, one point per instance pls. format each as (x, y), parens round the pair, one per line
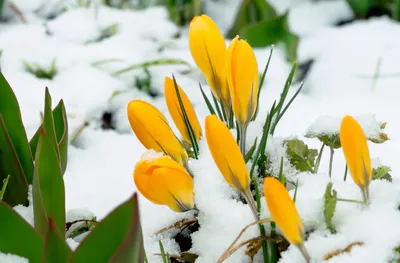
(226, 154)
(208, 49)
(174, 109)
(242, 76)
(283, 210)
(355, 149)
(152, 130)
(163, 181)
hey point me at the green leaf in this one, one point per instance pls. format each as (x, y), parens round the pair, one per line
(55, 249)
(251, 12)
(382, 173)
(48, 187)
(61, 130)
(208, 103)
(159, 62)
(361, 7)
(165, 257)
(332, 140)
(48, 123)
(17, 190)
(291, 42)
(330, 200)
(4, 187)
(300, 156)
(117, 238)
(18, 237)
(9, 109)
(1, 6)
(249, 154)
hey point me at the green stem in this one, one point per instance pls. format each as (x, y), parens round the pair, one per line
(243, 131)
(331, 161)
(317, 163)
(351, 201)
(4, 187)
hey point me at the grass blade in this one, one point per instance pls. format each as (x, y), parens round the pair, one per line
(209, 106)
(262, 82)
(158, 62)
(186, 119)
(249, 154)
(4, 187)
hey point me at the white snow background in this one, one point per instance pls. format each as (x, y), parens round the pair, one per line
(101, 162)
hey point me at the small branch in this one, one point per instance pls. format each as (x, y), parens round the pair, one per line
(17, 12)
(178, 225)
(331, 161)
(352, 201)
(318, 161)
(227, 251)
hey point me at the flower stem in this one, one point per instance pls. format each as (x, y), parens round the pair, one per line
(330, 161)
(243, 132)
(352, 201)
(319, 158)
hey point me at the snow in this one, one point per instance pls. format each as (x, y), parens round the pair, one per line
(8, 258)
(101, 162)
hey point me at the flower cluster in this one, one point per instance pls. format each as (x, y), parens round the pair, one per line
(232, 74)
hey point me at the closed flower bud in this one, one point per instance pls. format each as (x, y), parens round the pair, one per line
(284, 213)
(177, 115)
(242, 76)
(355, 149)
(153, 131)
(208, 49)
(165, 182)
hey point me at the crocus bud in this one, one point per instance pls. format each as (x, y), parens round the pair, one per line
(226, 154)
(163, 181)
(242, 76)
(174, 108)
(153, 131)
(208, 49)
(355, 149)
(284, 213)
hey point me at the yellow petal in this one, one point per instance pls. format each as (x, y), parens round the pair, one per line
(163, 181)
(355, 149)
(283, 211)
(153, 131)
(226, 154)
(208, 49)
(242, 76)
(175, 110)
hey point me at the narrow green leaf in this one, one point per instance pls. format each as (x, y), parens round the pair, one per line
(291, 42)
(296, 186)
(262, 82)
(189, 127)
(55, 247)
(159, 62)
(216, 104)
(281, 176)
(48, 187)
(263, 143)
(116, 239)
(10, 111)
(282, 99)
(249, 154)
(48, 123)
(4, 187)
(18, 237)
(330, 200)
(209, 106)
(1, 7)
(17, 191)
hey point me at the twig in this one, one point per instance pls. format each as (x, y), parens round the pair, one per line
(227, 251)
(17, 12)
(178, 225)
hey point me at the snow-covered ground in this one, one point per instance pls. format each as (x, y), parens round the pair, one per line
(101, 162)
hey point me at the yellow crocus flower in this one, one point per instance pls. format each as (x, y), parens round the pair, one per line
(163, 181)
(355, 149)
(242, 76)
(227, 157)
(153, 131)
(284, 213)
(174, 108)
(208, 49)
